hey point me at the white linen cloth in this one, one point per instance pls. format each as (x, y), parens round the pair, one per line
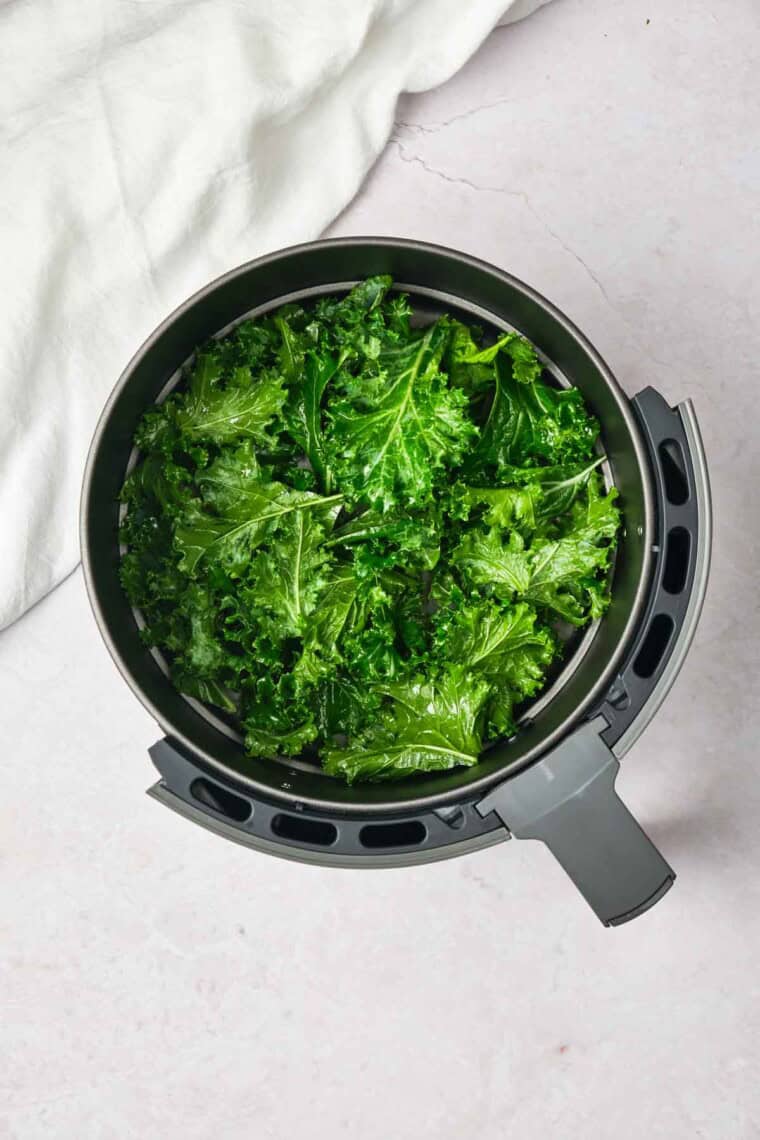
(147, 146)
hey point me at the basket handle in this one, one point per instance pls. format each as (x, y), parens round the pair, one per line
(568, 801)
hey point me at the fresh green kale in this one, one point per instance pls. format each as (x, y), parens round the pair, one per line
(361, 539)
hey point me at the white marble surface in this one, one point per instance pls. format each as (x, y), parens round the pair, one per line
(158, 982)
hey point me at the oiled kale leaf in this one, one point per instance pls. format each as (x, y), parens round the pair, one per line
(360, 538)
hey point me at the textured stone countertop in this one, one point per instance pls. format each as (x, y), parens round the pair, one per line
(161, 983)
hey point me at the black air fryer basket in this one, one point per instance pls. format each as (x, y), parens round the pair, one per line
(555, 781)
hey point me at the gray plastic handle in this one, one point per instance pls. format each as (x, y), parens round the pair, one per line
(568, 801)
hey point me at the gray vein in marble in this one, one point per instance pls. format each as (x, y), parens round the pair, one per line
(406, 156)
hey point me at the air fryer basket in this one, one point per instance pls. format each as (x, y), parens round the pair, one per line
(555, 779)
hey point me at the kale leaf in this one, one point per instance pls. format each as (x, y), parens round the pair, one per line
(425, 725)
(392, 439)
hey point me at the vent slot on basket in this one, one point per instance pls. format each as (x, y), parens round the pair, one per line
(655, 644)
(674, 472)
(677, 548)
(405, 833)
(304, 830)
(220, 800)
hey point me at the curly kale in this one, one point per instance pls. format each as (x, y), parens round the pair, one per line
(361, 538)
